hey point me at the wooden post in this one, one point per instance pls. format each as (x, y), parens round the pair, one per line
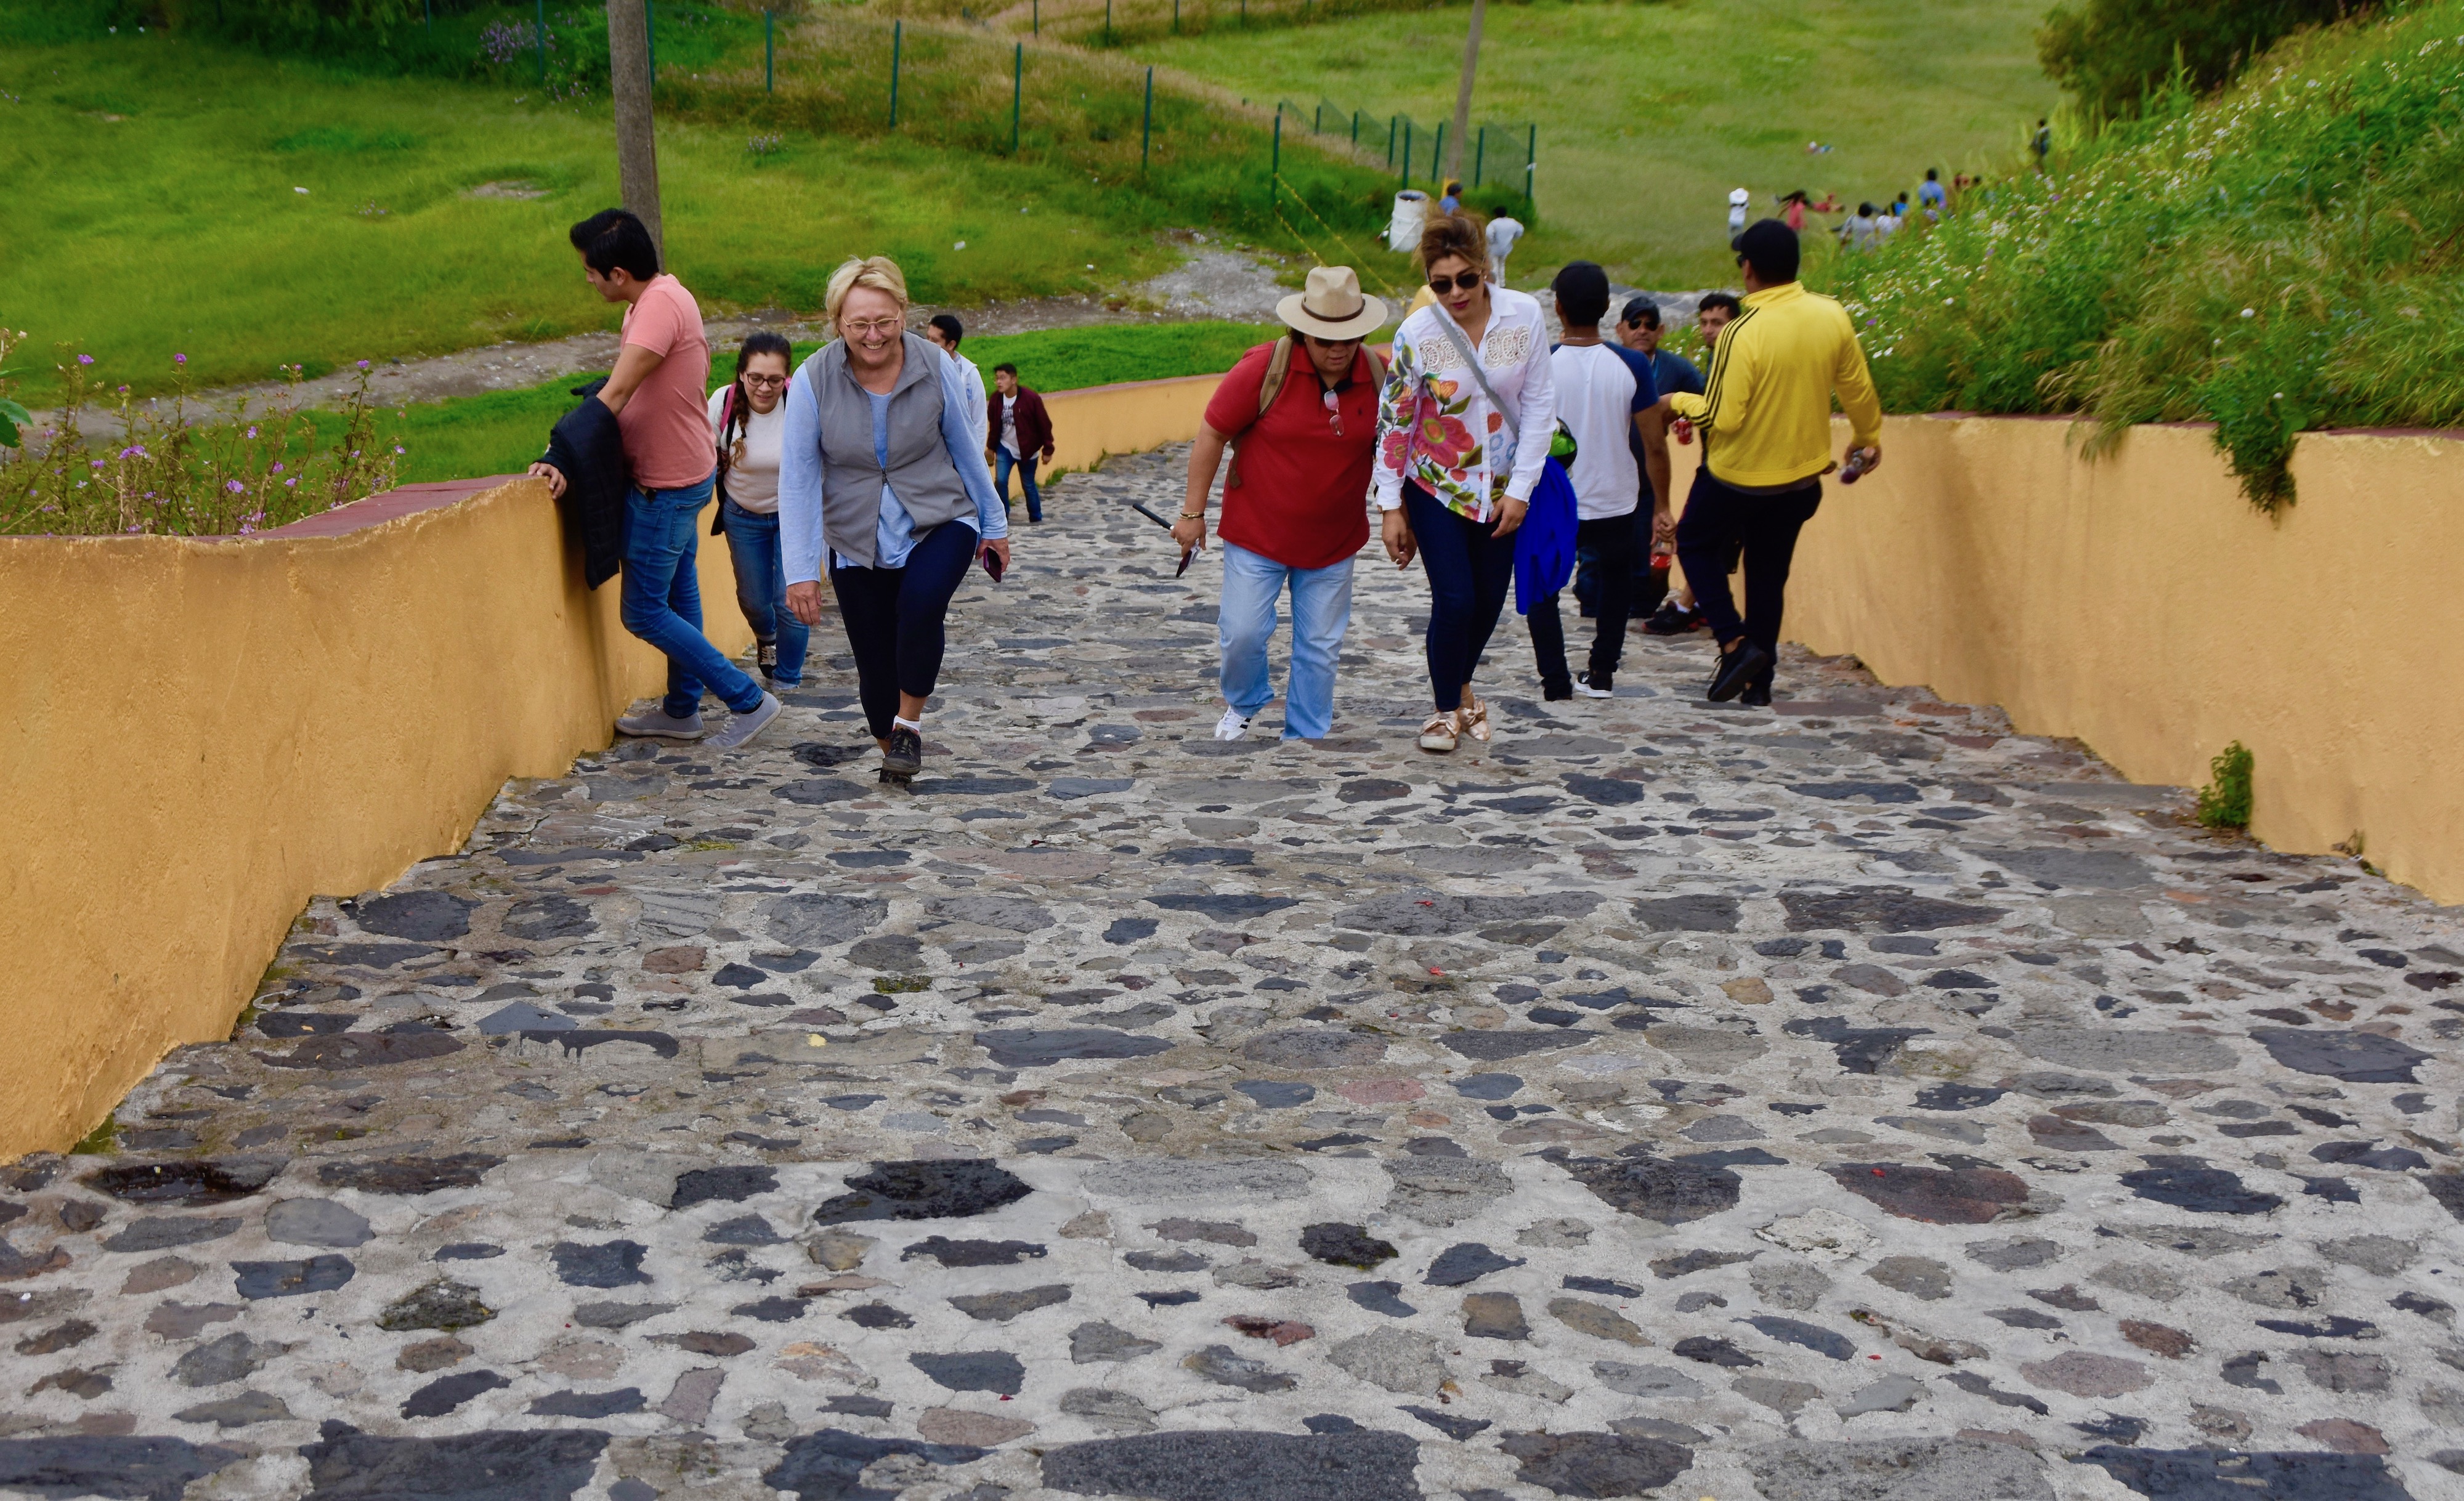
(1453, 166)
(629, 77)
(897, 44)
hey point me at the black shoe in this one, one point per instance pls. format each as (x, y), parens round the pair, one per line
(1561, 687)
(1595, 685)
(905, 757)
(1737, 668)
(1673, 619)
(765, 655)
(1758, 696)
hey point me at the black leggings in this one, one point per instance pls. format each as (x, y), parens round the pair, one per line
(893, 619)
(1470, 572)
(1611, 540)
(1718, 525)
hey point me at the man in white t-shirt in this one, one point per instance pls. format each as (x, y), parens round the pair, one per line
(1503, 231)
(1603, 390)
(945, 332)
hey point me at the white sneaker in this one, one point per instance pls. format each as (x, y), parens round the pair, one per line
(1583, 687)
(661, 723)
(1232, 726)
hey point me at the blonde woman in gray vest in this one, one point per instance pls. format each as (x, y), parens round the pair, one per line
(881, 481)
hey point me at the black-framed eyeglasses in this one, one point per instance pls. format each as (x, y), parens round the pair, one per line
(765, 382)
(1464, 281)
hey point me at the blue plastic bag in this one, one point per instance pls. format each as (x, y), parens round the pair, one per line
(1543, 545)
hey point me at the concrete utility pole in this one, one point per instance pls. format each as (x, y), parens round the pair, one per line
(637, 146)
(1463, 94)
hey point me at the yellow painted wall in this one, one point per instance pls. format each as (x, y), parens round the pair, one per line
(201, 736)
(1129, 418)
(2141, 605)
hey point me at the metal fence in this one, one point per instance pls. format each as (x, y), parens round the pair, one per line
(1497, 155)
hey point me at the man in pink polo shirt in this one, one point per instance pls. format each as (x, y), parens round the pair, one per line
(657, 394)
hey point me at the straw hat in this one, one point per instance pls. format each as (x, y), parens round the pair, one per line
(1331, 306)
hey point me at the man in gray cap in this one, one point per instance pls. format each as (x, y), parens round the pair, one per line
(1302, 433)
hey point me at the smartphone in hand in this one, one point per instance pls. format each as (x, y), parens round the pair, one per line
(992, 564)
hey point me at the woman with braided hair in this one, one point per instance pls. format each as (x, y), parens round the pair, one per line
(748, 418)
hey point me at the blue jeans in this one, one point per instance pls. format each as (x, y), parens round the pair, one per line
(661, 598)
(762, 589)
(1003, 462)
(1246, 622)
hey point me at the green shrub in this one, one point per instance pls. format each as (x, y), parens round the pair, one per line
(2224, 803)
(2277, 259)
(2112, 53)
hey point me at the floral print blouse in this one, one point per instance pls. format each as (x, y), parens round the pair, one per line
(1435, 427)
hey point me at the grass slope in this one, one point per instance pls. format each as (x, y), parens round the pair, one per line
(2282, 258)
(1650, 113)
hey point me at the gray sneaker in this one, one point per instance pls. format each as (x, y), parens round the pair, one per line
(740, 728)
(659, 722)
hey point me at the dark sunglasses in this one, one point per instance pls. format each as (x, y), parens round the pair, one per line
(1464, 282)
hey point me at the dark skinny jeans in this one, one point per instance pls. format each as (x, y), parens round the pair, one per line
(1719, 522)
(1470, 572)
(894, 616)
(1611, 540)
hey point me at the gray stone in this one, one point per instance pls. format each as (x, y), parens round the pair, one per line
(1495, 1316)
(1094, 1341)
(233, 1357)
(1688, 914)
(2355, 1057)
(2109, 870)
(995, 1370)
(443, 1304)
(540, 1464)
(236, 1412)
(1232, 1465)
(1106, 1408)
(162, 1232)
(1646, 1380)
(1887, 909)
(805, 921)
(1002, 1307)
(1595, 1464)
(1314, 1048)
(1439, 1191)
(1344, 1246)
(1009, 913)
(1786, 1397)
(1890, 1394)
(316, 1222)
(2107, 1049)
(612, 1264)
(1898, 1469)
(1510, 1043)
(830, 1465)
(411, 1174)
(1396, 1360)
(1788, 1284)
(1917, 1276)
(1224, 1367)
(2140, 1279)
(2380, 1255)
(1042, 1048)
(110, 1465)
(1226, 1183)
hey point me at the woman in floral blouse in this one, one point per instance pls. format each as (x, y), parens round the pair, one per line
(1455, 467)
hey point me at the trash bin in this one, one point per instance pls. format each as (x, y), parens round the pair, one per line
(1411, 216)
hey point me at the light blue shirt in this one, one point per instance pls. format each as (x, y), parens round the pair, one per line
(803, 477)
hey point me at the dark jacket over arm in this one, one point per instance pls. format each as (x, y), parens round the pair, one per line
(587, 450)
(1034, 425)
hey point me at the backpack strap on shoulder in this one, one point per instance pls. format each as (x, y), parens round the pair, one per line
(1279, 368)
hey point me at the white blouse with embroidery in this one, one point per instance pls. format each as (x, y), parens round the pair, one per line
(1436, 429)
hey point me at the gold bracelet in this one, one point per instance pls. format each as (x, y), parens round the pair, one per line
(1193, 515)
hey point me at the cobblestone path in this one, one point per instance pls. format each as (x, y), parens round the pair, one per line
(1846, 1102)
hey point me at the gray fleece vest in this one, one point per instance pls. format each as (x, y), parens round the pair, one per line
(920, 472)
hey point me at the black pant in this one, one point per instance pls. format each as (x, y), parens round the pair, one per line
(1611, 540)
(893, 619)
(1470, 572)
(1720, 523)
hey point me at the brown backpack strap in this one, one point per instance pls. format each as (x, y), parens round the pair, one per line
(1279, 367)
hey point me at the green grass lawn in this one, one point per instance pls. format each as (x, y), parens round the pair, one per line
(1650, 113)
(151, 212)
(501, 431)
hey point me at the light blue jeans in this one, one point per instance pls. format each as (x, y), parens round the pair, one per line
(761, 587)
(662, 599)
(1246, 622)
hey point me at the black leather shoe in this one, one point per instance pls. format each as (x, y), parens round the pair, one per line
(1758, 696)
(1551, 692)
(905, 757)
(1737, 668)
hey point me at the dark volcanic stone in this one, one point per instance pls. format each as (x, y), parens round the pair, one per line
(1447, 1424)
(1655, 1188)
(345, 1051)
(408, 1175)
(745, 1230)
(1438, 917)
(302, 1024)
(1371, 790)
(1221, 1465)
(1606, 791)
(1466, 1262)
(1861, 1049)
(1038, 1049)
(1937, 1195)
(1890, 908)
(995, 1370)
(1506, 1043)
(2354, 1057)
(126, 1469)
(1275, 1094)
(722, 1186)
(291, 1279)
(1713, 1351)
(771, 1309)
(877, 1316)
(923, 1190)
(544, 918)
(190, 1182)
(1956, 1096)
(615, 1264)
(1314, 1048)
(443, 1304)
(1002, 1307)
(1381, 1297)
(830, 1465)
(811, 920)
(446, 1392)
(973, 1253)
(421, 916)
(1796, 1332)
(2448, 1188)
(1597, 1464)
(536, 1464)
(162, 1232)
(233, 1357)
(1228, 907)
(2301, 1475)
(1688, 914)
(2188, 1183)
(1487, 1086)
(588, 1404)
(1131, 929)
(1345, 1246)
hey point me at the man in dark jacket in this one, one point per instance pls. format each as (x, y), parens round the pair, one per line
(1021, 434)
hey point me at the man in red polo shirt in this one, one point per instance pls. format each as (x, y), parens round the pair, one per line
(1300, 417)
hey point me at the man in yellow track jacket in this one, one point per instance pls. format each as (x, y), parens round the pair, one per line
(1764, 416)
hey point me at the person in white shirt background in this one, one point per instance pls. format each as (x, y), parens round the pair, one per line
(1503, 231)
(747, 418)
(1455, 467)
(945, 331)
(1738, 199)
